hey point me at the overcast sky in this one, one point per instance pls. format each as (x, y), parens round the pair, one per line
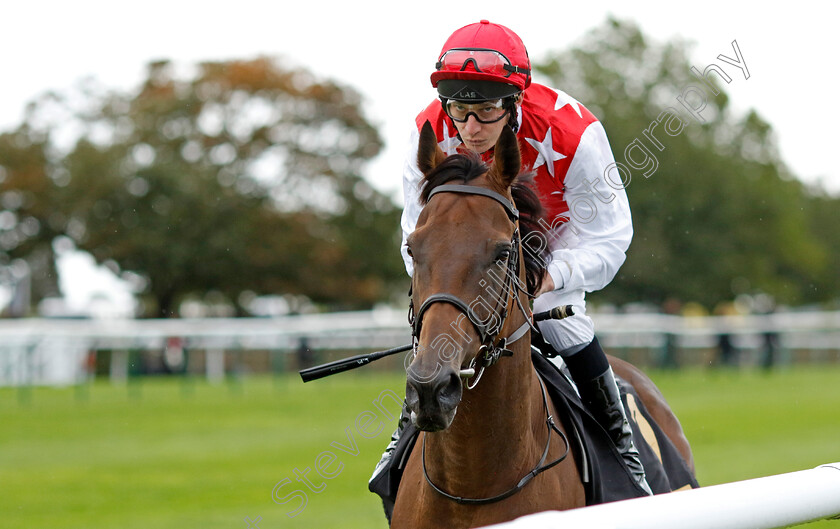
(387, 50)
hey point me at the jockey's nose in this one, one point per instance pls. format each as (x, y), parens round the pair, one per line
(472, 125)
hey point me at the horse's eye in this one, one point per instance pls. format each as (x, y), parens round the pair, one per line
(503, 255)
(408, 251)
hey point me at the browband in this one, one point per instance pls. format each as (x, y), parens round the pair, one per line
(511, 210)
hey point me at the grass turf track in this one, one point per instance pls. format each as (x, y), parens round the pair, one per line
(180, 453)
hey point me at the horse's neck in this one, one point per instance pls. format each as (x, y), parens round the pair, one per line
(503, 397)
(499, 426)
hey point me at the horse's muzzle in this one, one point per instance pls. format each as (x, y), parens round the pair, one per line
(433, 399)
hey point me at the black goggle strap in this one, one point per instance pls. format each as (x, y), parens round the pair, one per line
(517, 69)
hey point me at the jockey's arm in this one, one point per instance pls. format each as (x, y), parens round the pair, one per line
(411, 198)
(588, 250)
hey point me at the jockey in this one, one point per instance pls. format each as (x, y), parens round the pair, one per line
(483, 79)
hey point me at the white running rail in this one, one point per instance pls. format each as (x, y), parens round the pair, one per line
(763, 503)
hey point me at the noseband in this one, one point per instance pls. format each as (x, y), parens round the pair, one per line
(491, 349)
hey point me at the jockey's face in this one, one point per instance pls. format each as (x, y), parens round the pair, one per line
(480, 137)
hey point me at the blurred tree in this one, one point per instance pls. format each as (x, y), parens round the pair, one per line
(28, 219)
(716, 212)
(245, 178)
(823, 211)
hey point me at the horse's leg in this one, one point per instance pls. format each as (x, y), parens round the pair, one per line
(655, 403)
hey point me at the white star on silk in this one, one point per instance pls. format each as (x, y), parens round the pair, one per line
(546, 151)
(449, 145)
(564, 99)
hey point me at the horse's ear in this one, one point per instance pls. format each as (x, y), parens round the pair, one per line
(506, 161)
(429, 154)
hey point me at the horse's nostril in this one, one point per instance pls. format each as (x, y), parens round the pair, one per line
(449, 393)
(440, 395)
(412, 399)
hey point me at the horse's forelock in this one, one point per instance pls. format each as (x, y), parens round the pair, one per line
(464, 167)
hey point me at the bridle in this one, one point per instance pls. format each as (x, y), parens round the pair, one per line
(491, 349)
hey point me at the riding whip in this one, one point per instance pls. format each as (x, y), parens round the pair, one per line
(346, 364)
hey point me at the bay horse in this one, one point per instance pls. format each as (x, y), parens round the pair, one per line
(502, 455)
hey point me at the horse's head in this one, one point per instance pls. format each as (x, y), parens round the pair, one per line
(467, 274)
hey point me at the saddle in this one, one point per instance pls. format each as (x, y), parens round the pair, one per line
(604, 474)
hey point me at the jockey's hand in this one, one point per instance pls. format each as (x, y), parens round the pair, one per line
(546, 286)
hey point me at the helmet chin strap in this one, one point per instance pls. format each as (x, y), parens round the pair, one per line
(513, 119)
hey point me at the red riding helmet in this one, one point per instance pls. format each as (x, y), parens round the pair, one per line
(480, 62)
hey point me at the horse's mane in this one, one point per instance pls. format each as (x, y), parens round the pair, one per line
(469, 166)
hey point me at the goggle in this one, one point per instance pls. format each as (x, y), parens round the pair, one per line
(482, 60)
(484, 112)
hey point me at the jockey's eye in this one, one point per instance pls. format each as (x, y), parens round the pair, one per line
(484, 112)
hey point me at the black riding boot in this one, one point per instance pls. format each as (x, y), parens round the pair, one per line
(599, 392)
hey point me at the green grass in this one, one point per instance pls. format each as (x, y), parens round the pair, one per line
(169, 453)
